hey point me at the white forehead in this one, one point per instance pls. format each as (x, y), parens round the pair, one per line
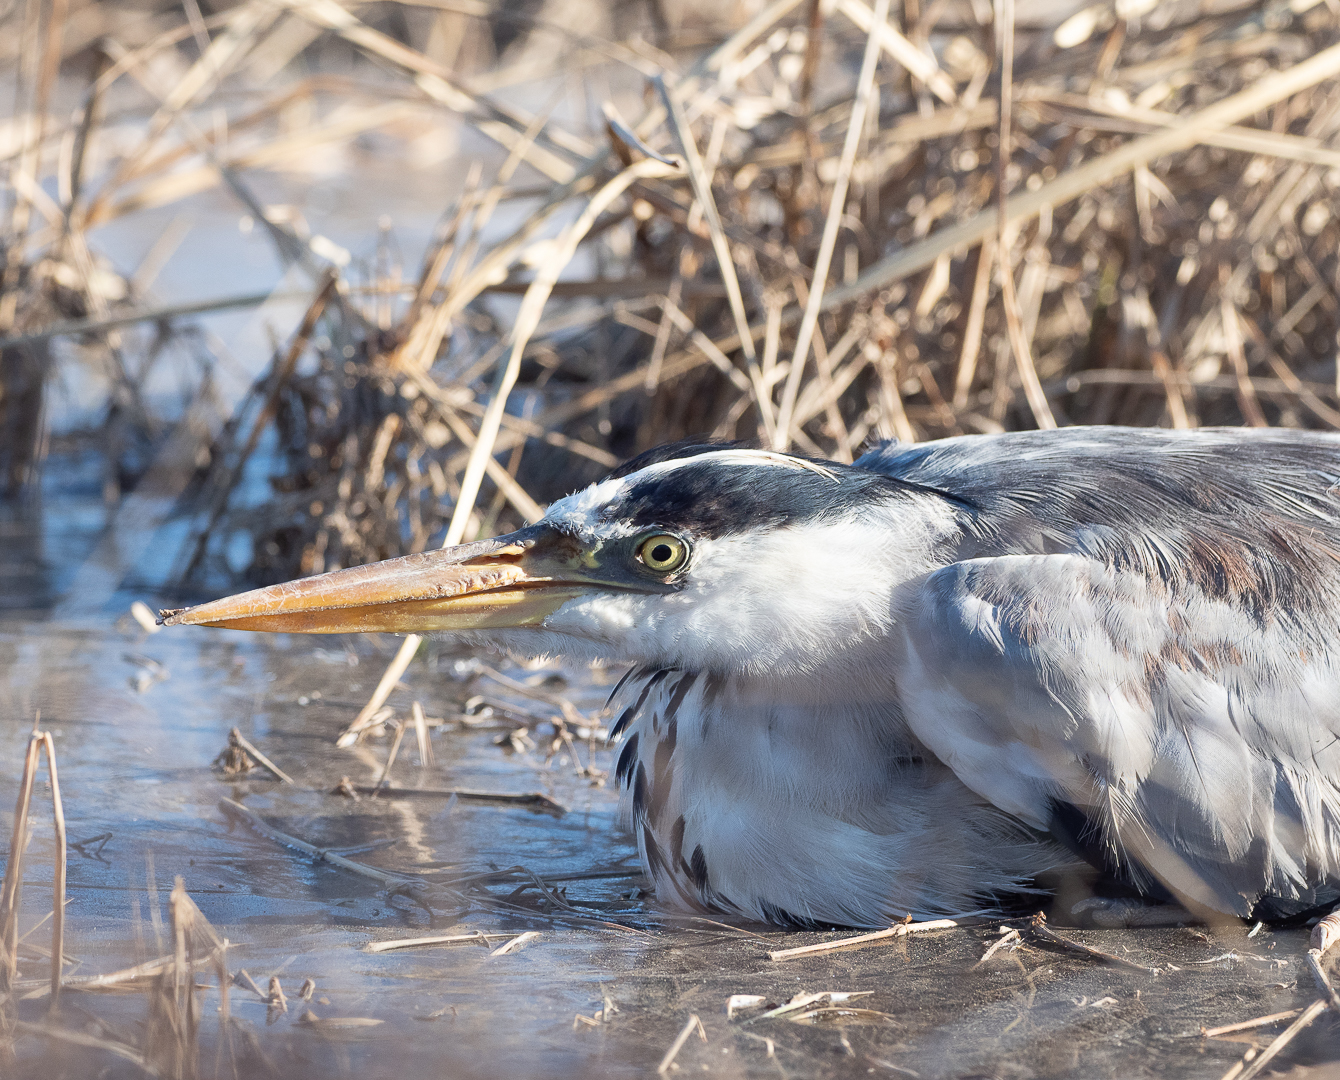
(581, 511)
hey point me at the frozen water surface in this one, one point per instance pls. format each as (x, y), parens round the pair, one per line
(135, 751)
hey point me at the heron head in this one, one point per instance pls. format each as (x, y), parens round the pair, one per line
(695, 555)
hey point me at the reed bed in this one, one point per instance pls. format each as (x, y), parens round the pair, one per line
(819, 225)
(806, 236)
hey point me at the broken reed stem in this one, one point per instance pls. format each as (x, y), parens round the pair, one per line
(387, 683)
(920, 64)
(390, 758)
(668, 1061)
(12, 890)
(836, 206)
(1010, 937)
(94, 1042)
(281, 372)
(58, 877)
(541, 804)
(116, 978)
(172, 1036)
(518, 941)
(478, 937)
(421, 735)
(1254, 1067)
(417, 889)
(1248, 1025)
(901, 930)
(1324, 935)
(1322, 980)
(183, 983)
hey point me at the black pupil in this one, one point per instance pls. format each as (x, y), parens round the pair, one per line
(662, 553)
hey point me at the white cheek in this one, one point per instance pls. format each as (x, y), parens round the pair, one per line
(605, 615)
(794, 598)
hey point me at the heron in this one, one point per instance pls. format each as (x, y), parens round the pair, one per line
(933, 681)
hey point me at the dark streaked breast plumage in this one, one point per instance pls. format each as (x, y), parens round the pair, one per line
(649, 726)
(797, 814)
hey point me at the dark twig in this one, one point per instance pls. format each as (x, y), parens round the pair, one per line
(236, 738)
(1037, 927)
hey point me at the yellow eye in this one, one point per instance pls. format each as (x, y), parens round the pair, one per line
(663, 553)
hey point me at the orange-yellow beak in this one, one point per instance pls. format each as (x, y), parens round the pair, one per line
(492, 584)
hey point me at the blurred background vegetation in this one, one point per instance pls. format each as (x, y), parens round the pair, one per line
(288, 284)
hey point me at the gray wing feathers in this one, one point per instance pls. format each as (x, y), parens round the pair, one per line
(1243, 514)
(1202, 739)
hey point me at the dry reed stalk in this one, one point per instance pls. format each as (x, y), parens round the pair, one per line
(172, 1032)
(552, 909)
(1186, 132)
(972, 333)
(1323, 938)
(58, 874)
(836, 205)
(456, 294)
(515, 494)
(245, 24)
(921, 64)
(1023, 353)
(706, 204)
(94, 1042)
(520, 941)
(1037, 928)
(117, 978)
(534, 801)
(12, 890)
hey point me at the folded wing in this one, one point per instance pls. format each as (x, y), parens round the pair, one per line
(1198, 736)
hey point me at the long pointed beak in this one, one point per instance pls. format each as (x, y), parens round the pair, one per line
(492, 584)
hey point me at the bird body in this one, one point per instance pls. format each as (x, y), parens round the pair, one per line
(914, 684)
